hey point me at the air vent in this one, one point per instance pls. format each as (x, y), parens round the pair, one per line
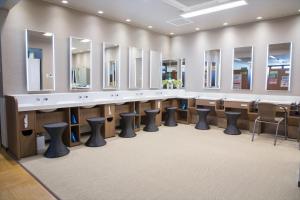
(179, 22)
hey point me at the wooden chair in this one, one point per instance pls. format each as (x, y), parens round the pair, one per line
(267, 114)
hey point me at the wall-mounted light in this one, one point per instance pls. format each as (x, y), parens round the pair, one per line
(259, 18)
(225, 24)
(100, 12)
(150, 27)
(65, 2)
(85, 40)
(128, 20)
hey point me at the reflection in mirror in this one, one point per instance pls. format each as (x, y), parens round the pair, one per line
(173, 73)
(111, 66)
(155, 69)
(242, 68)
(40, 66)
(279, 66)
(135, 68)
(212, 69)
(80, 63)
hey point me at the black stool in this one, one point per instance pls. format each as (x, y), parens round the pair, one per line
(232, 128)
(96, 139)
(56, 147)
(127, 125)
(150, 121)
(170, 117)
(202, 122)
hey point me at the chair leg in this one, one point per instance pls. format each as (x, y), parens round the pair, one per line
(253, 133)
(285, 128)
(276, 134)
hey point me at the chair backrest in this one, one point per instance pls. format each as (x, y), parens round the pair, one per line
(267, 111)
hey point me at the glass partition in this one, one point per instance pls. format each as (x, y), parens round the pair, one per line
(40, 65)
(279, 66)
(111, 66)
(212, 69)
(242, 68)
(80, 63)
(135, 68)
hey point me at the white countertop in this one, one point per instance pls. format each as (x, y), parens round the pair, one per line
(51, 101)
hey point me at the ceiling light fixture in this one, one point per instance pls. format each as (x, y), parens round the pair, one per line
(259, 18)
(65, 2)
(197, 29)
(171, 33)
(225, 24)
(47, 34)
(85, 40)
(128, 20)
(150, 27)
(215, 9)
(100, 12)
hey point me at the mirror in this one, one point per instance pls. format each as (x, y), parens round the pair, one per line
(173, 73)
(135, 68)
(111, 66)
(80, 63)
(212, 69)
(40, 65)
(155, 69)
(279, 66)
(242, 68)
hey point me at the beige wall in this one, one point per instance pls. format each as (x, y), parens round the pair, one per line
(258, 35)
(63, 22)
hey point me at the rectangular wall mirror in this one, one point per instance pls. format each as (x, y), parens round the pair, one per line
(279, 66)
(212, 69)
(173, 73)
(135, 68)
(40, 65)
(80, 63)
(111, 66)
(242, 68)
(155, 69)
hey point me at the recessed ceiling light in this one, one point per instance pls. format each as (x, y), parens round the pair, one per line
(150, 27)
(65, 2)
(197, 29)
(85, 40)
(225, 24)
(100, 12)
(128, 20)
(221, 7)
(47, 34)
(171, 33)
(259, 18)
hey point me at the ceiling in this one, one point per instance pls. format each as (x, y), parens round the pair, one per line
(163, 14)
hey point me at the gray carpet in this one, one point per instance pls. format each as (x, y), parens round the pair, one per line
(175, 163)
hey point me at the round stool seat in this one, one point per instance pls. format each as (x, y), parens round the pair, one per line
(56, 146)
(96, 139)
(127, 125)
(170, 116)
(232, 128)
(202, 123)
(150, 122)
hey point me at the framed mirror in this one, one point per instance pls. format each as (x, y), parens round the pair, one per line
(155, 69)
(80, 63)
(212, 69)
(135, 68)
(111, 66)
(40, 61)
(242, 68)
(173, 73)
(279, 66)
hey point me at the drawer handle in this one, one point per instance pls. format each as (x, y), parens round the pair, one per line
(212, 103)
(244, 105)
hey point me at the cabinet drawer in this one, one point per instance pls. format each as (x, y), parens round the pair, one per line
(236, 104)
(26, 120)
(206, 102)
